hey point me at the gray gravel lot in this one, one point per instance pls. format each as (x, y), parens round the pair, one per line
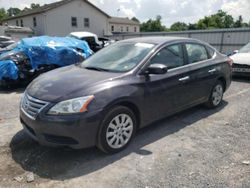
(196, 148)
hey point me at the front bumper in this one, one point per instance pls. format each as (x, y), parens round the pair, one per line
(75, 131)
(241, 70)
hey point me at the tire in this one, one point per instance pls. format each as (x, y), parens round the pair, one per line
(216, 95)
(114, 136)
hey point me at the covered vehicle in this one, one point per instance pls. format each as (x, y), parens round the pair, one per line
(241, 59)
(33, 56)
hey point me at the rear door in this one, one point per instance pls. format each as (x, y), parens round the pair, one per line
(203, 71)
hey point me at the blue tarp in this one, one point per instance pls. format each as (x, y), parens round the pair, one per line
(61, 51)
(8, 69)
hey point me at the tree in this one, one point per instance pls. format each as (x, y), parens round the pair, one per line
(192, 26)
(3, 14)
(239, 22)
(179, 26)
(135, 19)
(219, 20)
(34, 5)
(13, 11)
(153, 25)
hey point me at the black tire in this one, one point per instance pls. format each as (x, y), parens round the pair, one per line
(211, 102)
(105, 126)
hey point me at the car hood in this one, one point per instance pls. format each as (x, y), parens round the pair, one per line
(241, 58)
(66, 83)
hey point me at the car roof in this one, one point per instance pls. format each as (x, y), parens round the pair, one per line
(160, 40)
(83, 34)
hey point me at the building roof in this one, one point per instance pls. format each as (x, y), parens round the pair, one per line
(48, 7)
(120, 20)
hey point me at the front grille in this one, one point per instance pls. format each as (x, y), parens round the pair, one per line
(32, 106)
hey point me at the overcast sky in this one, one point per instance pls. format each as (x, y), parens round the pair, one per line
(188, 11)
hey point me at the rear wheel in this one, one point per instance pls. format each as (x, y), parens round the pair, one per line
(216, 95)
(117, 130)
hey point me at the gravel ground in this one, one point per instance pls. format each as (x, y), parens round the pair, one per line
(196, 148)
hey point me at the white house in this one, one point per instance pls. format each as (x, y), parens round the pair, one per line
(66, 16)
(61, 18)
(123, 25)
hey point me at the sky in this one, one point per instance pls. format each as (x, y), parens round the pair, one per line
(188, 11)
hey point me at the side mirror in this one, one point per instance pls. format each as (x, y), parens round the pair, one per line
(157, 69)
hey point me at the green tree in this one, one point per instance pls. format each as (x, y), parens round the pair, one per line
(179, 26)
(3, 14)
(135, 19)
(34, 5)
(13, 11)
(153, 25)
(219, 20)
(239, 22)
(192, 26)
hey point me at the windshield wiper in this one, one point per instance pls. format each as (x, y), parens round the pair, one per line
(97, 69)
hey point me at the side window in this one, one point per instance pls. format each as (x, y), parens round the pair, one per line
(171, 56)
(74, 21)
(86, 22)
(196, 53)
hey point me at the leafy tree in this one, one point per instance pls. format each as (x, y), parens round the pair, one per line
(135, 19)
(3, 14)
(219, 20)
(34, 5)
(153, 25)
(239, 22)
(13, 11)
(179, 26)
(192, 26)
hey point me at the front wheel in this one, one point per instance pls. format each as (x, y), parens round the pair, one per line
(216, 95)
(117, 129)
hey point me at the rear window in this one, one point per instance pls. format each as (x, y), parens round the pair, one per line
(196, 53)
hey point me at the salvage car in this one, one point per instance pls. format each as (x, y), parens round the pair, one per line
(93, 41)
(241, 59)
(122, 88)
(23, 61)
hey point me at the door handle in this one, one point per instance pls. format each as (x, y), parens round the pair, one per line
(184, 78)
(212, 70)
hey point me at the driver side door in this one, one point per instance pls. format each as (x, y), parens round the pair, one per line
(166, 94)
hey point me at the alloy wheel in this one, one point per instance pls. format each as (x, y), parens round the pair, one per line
(119, 131)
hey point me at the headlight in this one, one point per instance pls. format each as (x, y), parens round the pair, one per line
(71, 106)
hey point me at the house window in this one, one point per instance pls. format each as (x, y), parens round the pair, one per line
(34, 21)
(86, 22)
(127, 29)
(121, 28)
(17, 23)
(74, 21)
(112, 28)
(135, 29)
(21, 23)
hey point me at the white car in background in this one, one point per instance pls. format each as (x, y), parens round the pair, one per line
(95, 43)
(241, 59)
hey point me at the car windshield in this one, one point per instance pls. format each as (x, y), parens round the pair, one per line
(119, 57)
(245, 49)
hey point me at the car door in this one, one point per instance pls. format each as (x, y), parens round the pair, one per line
(202, 72)
(166, 93)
